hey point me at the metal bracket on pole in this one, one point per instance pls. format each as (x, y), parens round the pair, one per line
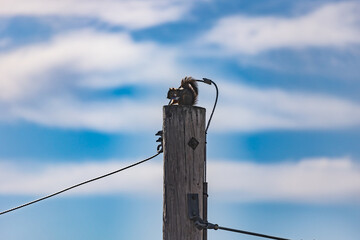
(194, 215)
(193, 206)
(160, 140)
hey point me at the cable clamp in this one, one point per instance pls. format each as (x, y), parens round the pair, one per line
(159, 148)
(193, 213)
(201, 225)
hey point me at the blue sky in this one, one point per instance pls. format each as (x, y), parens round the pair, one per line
(81, 93)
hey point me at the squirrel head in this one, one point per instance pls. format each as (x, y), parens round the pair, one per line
(173, 94)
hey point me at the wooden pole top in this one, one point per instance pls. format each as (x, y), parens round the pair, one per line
(184, 156)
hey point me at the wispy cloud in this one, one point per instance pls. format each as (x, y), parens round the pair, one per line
(34, 88)
(332, 25)
(121, 115)
(32, 70)
(246, 108)
(127, 13)
(319, 180)
(241, 108)
(145, 178)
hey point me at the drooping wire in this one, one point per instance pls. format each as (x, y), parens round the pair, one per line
(204, 225)
(209, 81)
(216, 99)
(79, 184)
(248, 233)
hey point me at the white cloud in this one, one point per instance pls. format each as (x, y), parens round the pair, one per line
(246, 108)
(144, 178)
(241, 108)
(332, 25)
(128, 13)
(32, 86)
(319, 180)
(31, 70)
(104, 116)
(32, 89)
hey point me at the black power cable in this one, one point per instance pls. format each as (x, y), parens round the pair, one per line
(209, 81)
(204, 225)
(249, 233)
(79, 184)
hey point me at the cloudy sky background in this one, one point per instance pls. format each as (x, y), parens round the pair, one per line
(82, 85)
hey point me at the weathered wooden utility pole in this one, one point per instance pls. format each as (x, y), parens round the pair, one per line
(184, 156)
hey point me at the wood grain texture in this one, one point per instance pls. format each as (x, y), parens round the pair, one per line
(183, 169)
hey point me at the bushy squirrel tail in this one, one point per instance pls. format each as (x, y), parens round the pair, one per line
(191, 84)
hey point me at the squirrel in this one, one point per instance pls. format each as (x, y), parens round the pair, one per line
(186, 94)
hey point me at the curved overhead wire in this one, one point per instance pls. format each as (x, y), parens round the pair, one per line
(78, 185)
